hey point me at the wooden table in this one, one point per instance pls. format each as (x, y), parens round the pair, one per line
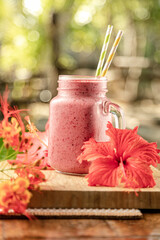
(82, 229)
(66, 191)
(146, 228)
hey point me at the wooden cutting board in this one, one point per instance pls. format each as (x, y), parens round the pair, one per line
(65, 191)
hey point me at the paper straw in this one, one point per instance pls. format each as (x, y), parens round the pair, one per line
(104, 50)
(112, 52)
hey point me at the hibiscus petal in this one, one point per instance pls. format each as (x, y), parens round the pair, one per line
(103, 172)
(138, 174)
(93, 150)
(128, 143)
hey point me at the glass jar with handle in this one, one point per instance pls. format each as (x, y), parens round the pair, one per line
(80, 111)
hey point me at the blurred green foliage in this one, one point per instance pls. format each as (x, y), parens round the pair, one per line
(26, 30)
(68, 34)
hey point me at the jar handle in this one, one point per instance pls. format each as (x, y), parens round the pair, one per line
(117, 113)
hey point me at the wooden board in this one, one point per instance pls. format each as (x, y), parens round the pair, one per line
(65, 191)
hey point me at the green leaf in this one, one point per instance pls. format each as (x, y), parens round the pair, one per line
(6, 153)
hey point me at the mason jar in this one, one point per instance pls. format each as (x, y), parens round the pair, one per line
(80, 111)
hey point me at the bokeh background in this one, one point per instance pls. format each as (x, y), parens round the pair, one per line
(40, 39)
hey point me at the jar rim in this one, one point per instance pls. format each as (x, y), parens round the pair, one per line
(82, 78)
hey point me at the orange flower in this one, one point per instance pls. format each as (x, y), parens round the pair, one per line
(10, 131)
(11, 127)
(38, 147)
(33, 174)
(14, 195)
(33, 145)
(6, 194)
(36, 152)
(31, 127)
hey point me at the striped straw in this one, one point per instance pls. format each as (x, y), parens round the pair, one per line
(112, 52)
(104, 50)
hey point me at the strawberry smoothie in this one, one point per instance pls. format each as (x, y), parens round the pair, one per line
(76, 114)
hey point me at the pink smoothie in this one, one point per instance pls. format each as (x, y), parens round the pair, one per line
(76, 114)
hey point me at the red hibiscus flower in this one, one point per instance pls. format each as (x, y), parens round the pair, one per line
(125, 159)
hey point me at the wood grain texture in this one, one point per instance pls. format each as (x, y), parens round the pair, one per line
(146, 228)
(1, 230)
(65, 191)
